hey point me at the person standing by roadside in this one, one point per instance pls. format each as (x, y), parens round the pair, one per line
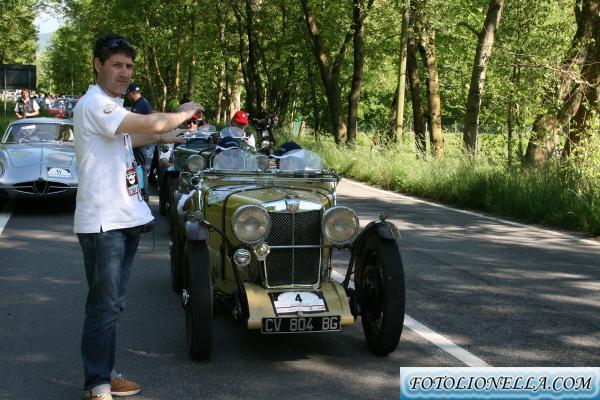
(140, 106)
(110, 214)
(26, 106)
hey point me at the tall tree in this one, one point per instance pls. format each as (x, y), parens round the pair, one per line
(566, 90)
(589, 107)
(485, 43)
(254, 83)
(425, 38)
(18, 35)
(330, 74)
(398, 119)
(416, 96)
(359, 14)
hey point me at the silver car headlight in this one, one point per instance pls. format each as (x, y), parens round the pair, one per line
(340, 225)
(251, 224)
(195, 163)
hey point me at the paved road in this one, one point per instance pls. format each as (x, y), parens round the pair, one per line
(503, 294)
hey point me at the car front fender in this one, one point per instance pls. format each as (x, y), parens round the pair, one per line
(385, 230)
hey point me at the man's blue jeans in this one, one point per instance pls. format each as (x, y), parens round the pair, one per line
(108, 257)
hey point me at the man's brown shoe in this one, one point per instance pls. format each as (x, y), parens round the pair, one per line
(122, 387)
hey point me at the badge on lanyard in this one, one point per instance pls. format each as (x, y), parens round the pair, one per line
(132, 182)
(133, 175)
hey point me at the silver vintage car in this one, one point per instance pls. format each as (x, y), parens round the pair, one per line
(37, 159)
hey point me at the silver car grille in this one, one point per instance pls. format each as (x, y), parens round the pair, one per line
(40, 187)
(295, 256)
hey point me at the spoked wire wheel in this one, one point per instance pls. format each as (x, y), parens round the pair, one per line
(198, 300)
(379, 279)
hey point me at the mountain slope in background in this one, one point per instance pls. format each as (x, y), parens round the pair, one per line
(43, 42)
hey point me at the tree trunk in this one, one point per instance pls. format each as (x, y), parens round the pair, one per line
(548, 124)
(154, 60)
(250, 88)
(401, 89)
(427, 50)
(329, 76)
(177, 75)
(163, 84)
(590, 106)
(255, 107)
(192, 66)
(314, 100)
(416, 98)
(485, 43)
(149, 80)
(359, 14)
(221, 84)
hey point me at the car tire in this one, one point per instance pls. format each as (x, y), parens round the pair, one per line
(379, 281)
(199, 306)
(172, 185)
(162, 197)
(177, 247)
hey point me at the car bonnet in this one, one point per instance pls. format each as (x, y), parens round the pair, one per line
(48, 154)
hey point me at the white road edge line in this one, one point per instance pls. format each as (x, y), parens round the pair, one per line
(440, 341)
(555, 233)
(444, 343)
(4, 217)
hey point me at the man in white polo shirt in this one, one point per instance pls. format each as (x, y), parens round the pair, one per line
(111, 212)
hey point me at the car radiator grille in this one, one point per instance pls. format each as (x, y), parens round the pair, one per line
(40, 187)
(290, 265)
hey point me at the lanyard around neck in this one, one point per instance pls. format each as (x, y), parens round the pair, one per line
(129, 159)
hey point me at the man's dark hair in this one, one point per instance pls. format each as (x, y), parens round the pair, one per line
(110, 44)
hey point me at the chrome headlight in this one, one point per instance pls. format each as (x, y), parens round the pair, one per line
(340, 225)
(251, 224)
(195, 163)
(262, 162)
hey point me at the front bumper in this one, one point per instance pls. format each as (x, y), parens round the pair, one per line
(260, 304)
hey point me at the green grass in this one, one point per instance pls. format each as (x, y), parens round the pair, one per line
(8, 117)
(555, 196)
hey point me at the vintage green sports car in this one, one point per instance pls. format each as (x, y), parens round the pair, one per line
(260, 238)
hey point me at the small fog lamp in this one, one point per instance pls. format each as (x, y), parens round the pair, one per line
(241, 257)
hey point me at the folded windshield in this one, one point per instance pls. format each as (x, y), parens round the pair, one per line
(236, 159)
(300, 160)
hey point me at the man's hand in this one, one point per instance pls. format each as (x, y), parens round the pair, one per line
(174, 136)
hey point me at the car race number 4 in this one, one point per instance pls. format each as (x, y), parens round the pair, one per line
(299, 303)
(294, 302)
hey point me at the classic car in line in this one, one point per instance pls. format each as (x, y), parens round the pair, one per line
(37, 159)
(259, 238)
